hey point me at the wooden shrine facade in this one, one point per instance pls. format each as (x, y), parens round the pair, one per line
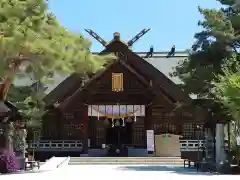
(127, 80)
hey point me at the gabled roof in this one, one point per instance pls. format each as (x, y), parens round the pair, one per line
(150, 71)
(68, 86)
(98, 75)
(158, 60)
(10, 110)
(159, 80)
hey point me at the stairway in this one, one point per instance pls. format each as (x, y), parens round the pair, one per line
(126, 160)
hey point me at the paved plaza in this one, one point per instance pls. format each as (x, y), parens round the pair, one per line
(110, 172)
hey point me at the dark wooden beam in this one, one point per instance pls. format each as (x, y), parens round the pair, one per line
(114, 99)
(96, 36)
(137, 37)
(140, 77)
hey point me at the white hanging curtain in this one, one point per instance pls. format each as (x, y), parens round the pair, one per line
(116, 111)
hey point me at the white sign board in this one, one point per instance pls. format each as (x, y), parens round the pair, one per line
(150, 140)
(238, 140)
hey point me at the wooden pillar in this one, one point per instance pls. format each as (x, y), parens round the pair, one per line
(58, 116)
(148, 121)
(229, 136)
(85, 128)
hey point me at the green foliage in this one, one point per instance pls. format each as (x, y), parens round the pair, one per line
(212, 69)
(30, 104)
(227, 90)
(217, 41)
(33, 43)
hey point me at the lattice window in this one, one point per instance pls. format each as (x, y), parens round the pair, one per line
(138, 136)
(190, 131)
(100, 136)
(156, 126)
(117, 82)
(165, 128)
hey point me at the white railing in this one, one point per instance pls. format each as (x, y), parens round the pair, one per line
(55, 145)
(61, 145)
(191, 145)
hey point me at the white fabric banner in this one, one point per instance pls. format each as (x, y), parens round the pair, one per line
(116, 110)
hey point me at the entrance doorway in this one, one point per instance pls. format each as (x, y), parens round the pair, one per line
(118, 137)
(118, 134)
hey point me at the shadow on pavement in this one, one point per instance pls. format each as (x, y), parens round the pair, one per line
(171, 169)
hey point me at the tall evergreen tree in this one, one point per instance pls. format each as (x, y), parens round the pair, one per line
(217, 41)
(34, 44)
(226, 90)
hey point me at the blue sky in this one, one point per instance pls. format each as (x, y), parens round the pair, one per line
(171, 21)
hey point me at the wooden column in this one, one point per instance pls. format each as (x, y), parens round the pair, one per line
(85, 129)
(58, 116)
(229, 136)
(148, 121)
(178, 120)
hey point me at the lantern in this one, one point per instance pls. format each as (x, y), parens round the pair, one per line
(123, 122)
(135, 118)
(112, 122)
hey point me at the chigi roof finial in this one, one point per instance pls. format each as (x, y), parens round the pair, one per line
(116, 36)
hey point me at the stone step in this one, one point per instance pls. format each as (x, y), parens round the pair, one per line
(159, 158)
(125, 163)
(125, 160)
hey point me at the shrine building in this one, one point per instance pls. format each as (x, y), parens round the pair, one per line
(130, 105)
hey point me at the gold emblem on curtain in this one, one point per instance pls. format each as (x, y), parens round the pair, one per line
(117, 82)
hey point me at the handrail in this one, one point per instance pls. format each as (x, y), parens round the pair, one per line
(66, 159)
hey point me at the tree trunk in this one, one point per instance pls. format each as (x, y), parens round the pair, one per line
(6, 135)
(4, 88)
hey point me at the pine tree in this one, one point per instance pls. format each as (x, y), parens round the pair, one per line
(34, 44)
(217, 41)
(212, 69)
(226, 90)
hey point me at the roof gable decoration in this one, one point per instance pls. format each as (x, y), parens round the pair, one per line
(158, 79)
(116, 37)
(118, 86)
(117, 82)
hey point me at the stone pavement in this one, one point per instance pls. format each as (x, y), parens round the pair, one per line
(115, 172)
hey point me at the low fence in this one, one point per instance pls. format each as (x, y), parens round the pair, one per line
(56, 145)
(76, 145)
